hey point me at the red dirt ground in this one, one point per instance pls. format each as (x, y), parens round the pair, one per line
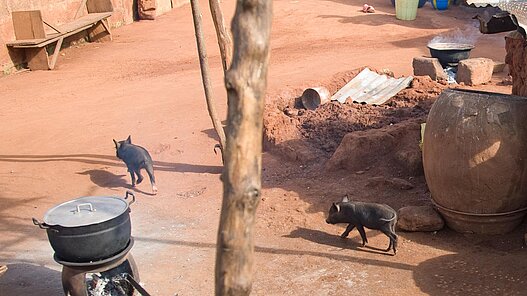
(57, 145)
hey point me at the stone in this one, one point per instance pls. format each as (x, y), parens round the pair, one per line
(419, 218)
(475, 71)
(400, 184)
(425, 66)
(395, 147)
(376, 181)
(395, 183)
(290, 112)
(146, 9)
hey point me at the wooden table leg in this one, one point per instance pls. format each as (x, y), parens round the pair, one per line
(56, 53)
(37, 58)
(100, 32)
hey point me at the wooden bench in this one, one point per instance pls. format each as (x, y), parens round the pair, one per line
(31, 37)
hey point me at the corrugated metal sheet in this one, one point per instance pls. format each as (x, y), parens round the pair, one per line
(516, 7)
(371, 88)
(483, 3)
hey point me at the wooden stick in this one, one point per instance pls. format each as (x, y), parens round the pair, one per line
(203, 61)
(224, 38)
(52, 27)
(56, 53)
(81, 6)
(246, 82)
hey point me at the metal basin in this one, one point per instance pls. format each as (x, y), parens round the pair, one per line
(449, 54)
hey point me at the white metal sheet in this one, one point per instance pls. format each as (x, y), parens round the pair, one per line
(371, 88)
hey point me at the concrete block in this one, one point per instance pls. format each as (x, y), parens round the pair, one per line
(475, 71)
(425, 66)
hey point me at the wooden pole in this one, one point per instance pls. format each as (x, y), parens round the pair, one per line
(224, 38)
(246, 82)
(203, 62)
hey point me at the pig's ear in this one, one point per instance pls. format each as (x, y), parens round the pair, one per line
(337, 206)
(129, 139)
(116, 144)
(345, 199)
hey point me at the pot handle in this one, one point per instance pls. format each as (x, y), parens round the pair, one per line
(85, 204)
(128, 192)
(42, 225)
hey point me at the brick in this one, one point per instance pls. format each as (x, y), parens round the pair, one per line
(425, 66)
(475, 71)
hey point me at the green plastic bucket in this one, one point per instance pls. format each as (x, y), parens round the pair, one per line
(406, 10)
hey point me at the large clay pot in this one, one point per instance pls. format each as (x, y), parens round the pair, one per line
(475, 160)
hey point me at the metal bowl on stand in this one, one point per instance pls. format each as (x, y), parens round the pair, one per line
(449, 54)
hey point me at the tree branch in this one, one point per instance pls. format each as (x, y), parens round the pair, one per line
(224, 38)
(246, 82)
(203, 61)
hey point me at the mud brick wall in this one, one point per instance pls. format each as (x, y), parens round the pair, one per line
(59, 12)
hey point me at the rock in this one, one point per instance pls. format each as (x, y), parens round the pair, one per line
(146, 9)
(475, 71)
(395, 183)
(425, 66)
(376, 181)
(401, 183)
(419, 218)
(290, 112)
(394, 147)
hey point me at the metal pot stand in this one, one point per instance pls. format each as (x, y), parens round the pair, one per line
(74, 273)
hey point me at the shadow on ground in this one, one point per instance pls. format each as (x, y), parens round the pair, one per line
(112, 161)
(30, 280)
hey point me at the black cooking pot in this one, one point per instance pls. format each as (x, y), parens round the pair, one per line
(89, 228)
(449, 54)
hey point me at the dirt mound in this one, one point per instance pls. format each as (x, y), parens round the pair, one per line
(307, 135)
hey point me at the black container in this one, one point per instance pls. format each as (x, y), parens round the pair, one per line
(88, 229)
(449, 54)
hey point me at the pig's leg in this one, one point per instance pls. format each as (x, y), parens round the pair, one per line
(392, 230)
(132, 174)
(395, 238)
(150, 171)
(390, 236)
(139, 176)
(362, 235)
(348, 230)
(390, 233)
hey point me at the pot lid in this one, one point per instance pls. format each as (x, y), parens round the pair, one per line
(84, 211)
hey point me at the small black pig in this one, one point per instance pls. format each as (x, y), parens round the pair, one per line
(369, 215)
(136, 158)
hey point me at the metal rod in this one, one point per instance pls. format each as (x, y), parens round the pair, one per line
(136, 285)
